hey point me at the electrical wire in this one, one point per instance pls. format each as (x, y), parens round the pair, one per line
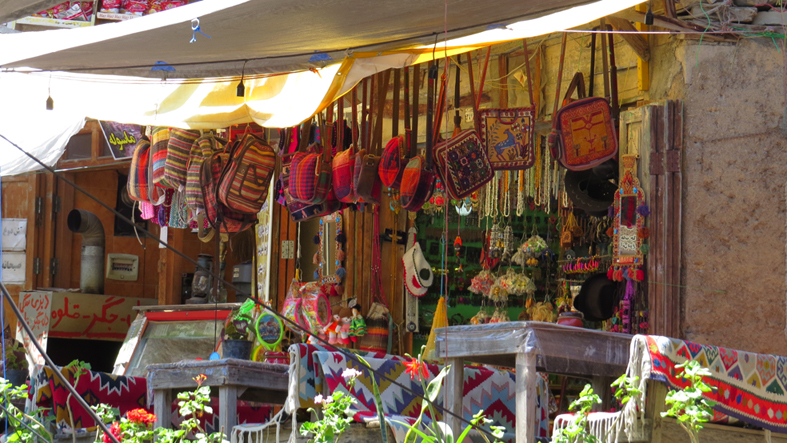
(293, 325)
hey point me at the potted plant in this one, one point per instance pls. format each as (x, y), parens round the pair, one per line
(15, 364)
(237, 332)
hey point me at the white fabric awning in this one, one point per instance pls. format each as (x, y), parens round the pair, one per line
(286, 81)
(268, 36)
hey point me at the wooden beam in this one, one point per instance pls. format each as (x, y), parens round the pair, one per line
(635, 41)
(674, 25)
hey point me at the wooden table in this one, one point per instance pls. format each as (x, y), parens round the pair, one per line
(530, 347)
(234, 379)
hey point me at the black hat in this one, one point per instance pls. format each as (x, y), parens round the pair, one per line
(591, 190)
(596, 299)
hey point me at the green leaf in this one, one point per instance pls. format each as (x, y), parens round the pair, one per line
(433, 389)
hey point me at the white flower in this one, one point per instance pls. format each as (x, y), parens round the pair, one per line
(351, 373)
(318, 399)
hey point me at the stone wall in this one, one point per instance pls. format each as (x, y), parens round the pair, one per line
(735, 164)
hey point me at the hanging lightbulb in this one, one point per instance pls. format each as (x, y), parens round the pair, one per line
(241, 90)
(649, 14)
(50, 104)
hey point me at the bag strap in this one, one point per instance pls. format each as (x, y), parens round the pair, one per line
(354, 120)
(364, 112)
(432, 77)
(605, 61)
(613, 80)
(397, 84)
(340, 124)
(591, 84)
(407, 132)
(326, 130)
(529, 74)
(383, 79)
(577, 84)
(559, 77)
(439, 106)
(416, 97)
(306, 129)
(457, 97)
(477, 97)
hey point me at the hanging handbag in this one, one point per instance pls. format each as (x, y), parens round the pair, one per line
(507, 134)
(462, 164)
(393, 159)
(310, 173)
(583, 133)
(369, 186)
(344, 162)
(418, 177)
(220, 217)
(300, 211)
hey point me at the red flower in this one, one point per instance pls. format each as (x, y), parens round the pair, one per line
(141, 416)
(416, 368)
(114, 430)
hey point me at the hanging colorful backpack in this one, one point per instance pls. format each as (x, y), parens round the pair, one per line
(178, 153)
(222, 218)
(159, 143)
(247, 177)
(138, 172)
(204, 147)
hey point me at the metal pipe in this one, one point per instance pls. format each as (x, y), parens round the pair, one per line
(91, 278)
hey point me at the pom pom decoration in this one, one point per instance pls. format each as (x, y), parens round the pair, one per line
(341, 273)
(339, 289)
(341, 238)
(316, 259)
(340, 255)
(610, 273)
(644, 249)
(639, 275)
(316, 239)
(643, 232)
(316, 274)
(610, 231)
(332, 292)
(643, 210)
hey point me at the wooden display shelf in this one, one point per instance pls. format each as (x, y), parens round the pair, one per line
(53, 22)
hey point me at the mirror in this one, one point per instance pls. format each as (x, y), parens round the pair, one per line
(332, 249)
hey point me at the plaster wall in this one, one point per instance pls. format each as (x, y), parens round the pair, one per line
(734, 169)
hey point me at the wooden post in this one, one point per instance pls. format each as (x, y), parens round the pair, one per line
(162, 405)
(526, 397)
(455, 393)
(228, 408)
(656, 393)
(601, 387)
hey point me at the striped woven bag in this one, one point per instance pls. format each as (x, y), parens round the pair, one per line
(138, 172)
(202, 149)
(178, 152)
(159, 142)
(247, 176)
